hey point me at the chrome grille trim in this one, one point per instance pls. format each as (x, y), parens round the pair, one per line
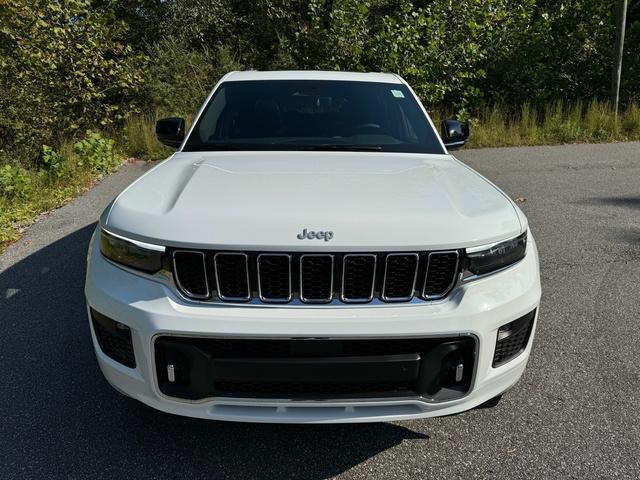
(247, 269)
(273, 299)
(301, 291)
(383, 295)
(204, 268)
(246, 265)
(373, 283)
(453, 280)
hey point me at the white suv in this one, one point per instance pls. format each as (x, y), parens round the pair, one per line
(312, 253)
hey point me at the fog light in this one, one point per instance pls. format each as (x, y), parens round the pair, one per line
(505, 331)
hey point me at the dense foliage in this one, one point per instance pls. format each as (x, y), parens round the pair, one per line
(68, 65)
(63, 66)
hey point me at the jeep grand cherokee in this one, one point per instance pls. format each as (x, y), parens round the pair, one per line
(312, 253)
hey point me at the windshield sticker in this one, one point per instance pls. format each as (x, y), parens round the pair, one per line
(397, 93)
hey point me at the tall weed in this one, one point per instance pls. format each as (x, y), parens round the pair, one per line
(555, 123)
(139, 138)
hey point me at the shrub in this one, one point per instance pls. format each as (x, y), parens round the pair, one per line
(53, 162)
(63, 66)
(179, 77)
(96, 152)
(15, 182)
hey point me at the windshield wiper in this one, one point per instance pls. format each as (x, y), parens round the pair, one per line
(221, 146)
(262, 147)
(341, 147)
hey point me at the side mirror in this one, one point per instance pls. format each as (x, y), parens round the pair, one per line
(454, 134)
(170, 131)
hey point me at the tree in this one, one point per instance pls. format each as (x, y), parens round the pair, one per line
(63, 67)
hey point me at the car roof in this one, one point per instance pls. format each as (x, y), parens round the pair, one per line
(249, 75)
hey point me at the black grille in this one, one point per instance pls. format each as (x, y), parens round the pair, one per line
(315, 278)
(114, 339)
(274, 277)
(442, 270)
(210, 367)
(250, 348)
(191, 272)
(400, 276)
(232, 277)
(515, 336)
(358, 277)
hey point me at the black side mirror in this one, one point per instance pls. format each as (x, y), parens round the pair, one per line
(170, 131)
(454, 134)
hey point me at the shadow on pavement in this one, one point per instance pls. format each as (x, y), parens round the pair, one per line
(624, 202)
(60, 418)
(625, 232)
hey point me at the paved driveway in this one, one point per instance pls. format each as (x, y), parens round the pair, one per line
(575, 414)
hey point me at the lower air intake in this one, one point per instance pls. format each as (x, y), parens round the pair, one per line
(114, 339)
(513, 339)
(435, 369)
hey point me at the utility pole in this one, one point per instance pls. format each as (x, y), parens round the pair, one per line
(621, 20)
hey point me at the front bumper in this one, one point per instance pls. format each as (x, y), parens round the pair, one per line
(152, 310)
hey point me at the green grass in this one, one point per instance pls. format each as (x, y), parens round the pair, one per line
(45, 194)
(557, 123)
(136, 139)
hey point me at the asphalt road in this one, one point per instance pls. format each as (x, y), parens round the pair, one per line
(575, 413)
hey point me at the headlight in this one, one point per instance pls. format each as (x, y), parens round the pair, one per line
(131, 253)
(498, 256)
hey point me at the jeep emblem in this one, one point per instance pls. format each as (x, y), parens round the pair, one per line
(310, 235)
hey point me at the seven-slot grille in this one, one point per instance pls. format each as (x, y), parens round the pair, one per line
(315, 278)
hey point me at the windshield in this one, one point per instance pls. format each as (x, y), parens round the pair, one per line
(313, 115)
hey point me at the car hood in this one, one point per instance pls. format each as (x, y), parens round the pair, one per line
(264, 200)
